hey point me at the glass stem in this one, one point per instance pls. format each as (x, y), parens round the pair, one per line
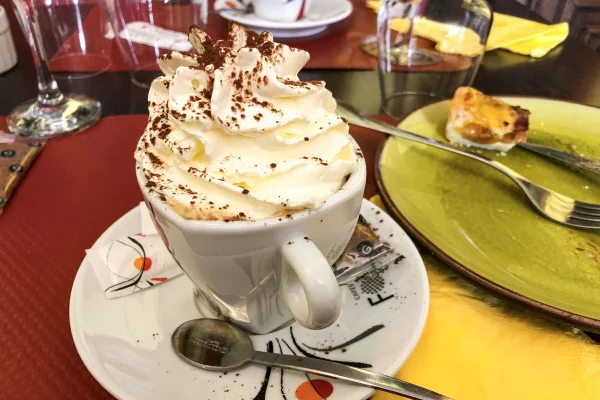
(48, 93)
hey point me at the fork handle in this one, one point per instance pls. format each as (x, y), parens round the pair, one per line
(376, 125)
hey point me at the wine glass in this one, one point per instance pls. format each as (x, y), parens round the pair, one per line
(52, 113)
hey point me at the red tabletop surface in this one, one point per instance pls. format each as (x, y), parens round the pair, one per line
(76, 189)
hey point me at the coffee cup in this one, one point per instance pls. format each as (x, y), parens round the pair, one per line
(262, 274)
(281, 10)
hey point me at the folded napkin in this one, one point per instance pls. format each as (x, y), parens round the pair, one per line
(151, 35)
(511, 33)
(525, 37)
(476, 346)
(133, 263)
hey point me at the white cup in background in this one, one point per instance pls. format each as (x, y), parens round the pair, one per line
(281, 10)
(8, 54)
(262, 274)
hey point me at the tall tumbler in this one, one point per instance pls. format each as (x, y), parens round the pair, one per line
(427, 49)
(145, 29)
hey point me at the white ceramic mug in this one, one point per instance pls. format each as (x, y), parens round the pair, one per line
(262, 274)
(281, 10)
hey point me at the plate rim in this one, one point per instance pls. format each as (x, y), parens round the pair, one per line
(400, 361)
(577, 320)
(285, 26)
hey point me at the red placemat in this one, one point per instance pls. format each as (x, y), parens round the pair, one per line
(76, 189)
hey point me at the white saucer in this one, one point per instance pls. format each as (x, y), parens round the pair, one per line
(125, 342)
(322, 14)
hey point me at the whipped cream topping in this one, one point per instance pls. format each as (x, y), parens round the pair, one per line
(234, 135)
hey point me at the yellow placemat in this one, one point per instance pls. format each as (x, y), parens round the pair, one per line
(476, 346)
(511, 33)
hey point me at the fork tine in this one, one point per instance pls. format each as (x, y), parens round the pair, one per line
(588, 206)
(569, 202)
(565, 204)
(585, 211)
(577, 213)
(563, 209)
(582, 223)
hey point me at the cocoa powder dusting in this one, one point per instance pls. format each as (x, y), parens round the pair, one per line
(156, 162)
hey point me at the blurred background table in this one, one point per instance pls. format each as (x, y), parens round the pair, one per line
(40, 228)
(568, 72)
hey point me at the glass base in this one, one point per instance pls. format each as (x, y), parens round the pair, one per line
(404, 55)
(144, 78)
(79, 65)
(400, 55)
(74, 114)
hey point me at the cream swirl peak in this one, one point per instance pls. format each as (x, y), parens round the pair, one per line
(234, 135)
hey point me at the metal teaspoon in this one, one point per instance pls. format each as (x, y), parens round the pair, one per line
(217, 345)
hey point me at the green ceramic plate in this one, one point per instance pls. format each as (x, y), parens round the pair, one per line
(479, 222)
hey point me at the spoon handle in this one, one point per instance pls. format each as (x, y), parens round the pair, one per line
(357, 119)
(346, 373)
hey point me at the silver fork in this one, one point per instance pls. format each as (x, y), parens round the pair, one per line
(554, 206)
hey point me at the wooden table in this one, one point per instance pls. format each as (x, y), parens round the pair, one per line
(81, 184)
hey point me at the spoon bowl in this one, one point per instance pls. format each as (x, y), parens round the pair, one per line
(212, 344)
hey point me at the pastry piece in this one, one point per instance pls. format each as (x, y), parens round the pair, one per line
(478, 120)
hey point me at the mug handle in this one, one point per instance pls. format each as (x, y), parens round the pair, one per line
(309, 288)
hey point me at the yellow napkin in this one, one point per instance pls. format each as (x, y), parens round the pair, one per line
(525, 37)
(476, 346)
(511, 33)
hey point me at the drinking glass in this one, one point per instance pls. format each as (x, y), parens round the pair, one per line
(427, 49)
(79, 41)
(56, 33)
(145, 29)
